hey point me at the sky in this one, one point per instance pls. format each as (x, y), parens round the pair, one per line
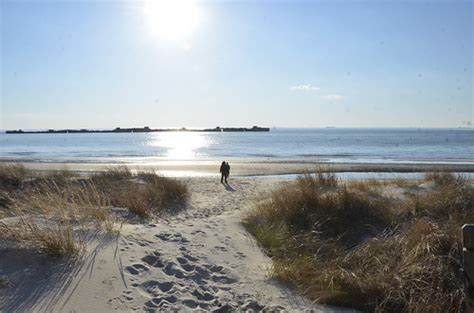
(107, 64)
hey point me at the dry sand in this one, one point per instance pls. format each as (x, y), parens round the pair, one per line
(200, 259)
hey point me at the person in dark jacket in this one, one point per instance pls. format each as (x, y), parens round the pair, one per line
(225, 171)
(222, 169)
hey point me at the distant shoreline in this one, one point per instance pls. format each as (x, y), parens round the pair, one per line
(145, 129)
(239, 167)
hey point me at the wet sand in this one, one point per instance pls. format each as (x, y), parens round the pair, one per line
(239, 166)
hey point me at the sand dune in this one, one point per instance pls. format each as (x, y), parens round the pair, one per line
(201, 259)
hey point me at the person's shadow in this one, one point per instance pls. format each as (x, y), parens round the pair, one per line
(228, 187)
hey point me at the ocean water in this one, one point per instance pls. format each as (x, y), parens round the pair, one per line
(333, 145)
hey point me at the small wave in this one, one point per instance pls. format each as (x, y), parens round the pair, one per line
(29, 153)
(340, 155)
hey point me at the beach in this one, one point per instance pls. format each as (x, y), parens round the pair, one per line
(199, 259)
(239, 167)
(236, 156)
(200, 256)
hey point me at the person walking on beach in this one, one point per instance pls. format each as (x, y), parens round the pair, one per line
(225, 171)
(222, 171)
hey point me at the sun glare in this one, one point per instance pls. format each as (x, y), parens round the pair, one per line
(171, 19)
(181, 145)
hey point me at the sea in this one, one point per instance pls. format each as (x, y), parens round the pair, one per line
(330, 145)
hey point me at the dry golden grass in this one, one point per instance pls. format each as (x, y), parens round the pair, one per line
(318, 179)
(152, 194)
(112, 175)
(365, 185)
(371, 184)
(12, 176)
(50, 217)
(355, 248)
(5, 199)
(55, 237)
(55, 207)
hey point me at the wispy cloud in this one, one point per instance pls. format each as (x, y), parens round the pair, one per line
(311, 88)
(334, 97)
(305, 87)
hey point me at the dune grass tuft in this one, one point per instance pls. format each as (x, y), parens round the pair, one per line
(152, 194)
(58, 239)
(318, 179)
(5, 200)
(3, 281)
(12, 176)
(112, 175)
(353, 247)
(52, 209)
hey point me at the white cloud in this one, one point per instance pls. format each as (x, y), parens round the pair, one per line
(334, 97)
(304, 88)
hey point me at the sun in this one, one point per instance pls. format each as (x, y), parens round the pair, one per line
(171, 19)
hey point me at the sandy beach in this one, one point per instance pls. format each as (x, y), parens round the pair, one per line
(239, 166)
(200, 259)
(344, 128)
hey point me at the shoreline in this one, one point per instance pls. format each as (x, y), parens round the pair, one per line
(239, 166)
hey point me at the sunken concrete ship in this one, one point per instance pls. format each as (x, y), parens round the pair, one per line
(145, 129)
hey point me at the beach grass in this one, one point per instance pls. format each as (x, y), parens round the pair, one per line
(52, 211)
(55, 238)
(12, 176)
(350, 245)
(3, 282)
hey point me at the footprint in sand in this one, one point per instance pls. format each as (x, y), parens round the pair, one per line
(171, 269)
(155, 287)
(223, 279)
(190, 257)
(185, 265)
(182, 260)
(200, 232)
(172, 237)
(153, 259)
(161, 302)
(192, 304)
(240, 255)
(221, 248)
(137, 269)
(215, 268)
(252, 306)
(200, 275)
(203, 296)
(127, 295)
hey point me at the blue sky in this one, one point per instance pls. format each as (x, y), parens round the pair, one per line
(272, 63)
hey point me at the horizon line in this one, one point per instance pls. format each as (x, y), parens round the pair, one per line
(2, 130)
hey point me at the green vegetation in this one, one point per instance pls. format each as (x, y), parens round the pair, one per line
(349, 245)
(50, 211)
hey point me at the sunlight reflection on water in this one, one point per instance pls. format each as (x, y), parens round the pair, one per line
(180, 145)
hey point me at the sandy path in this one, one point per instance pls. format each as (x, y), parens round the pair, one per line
(201, 259)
